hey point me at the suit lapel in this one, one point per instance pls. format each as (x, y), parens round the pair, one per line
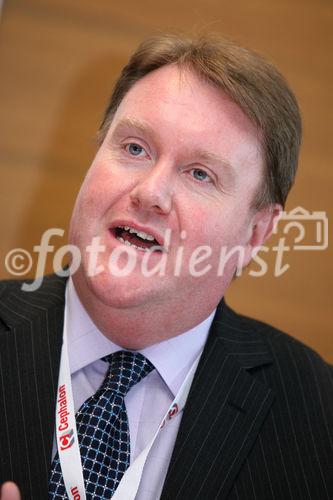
(30, 345)
(225, 410)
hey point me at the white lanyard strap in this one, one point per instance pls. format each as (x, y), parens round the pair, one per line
(67, 440)
(129, 484)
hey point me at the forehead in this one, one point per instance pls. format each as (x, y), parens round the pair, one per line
(183, 110)
(183, 90)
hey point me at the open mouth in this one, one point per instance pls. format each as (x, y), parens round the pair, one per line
(137, 239)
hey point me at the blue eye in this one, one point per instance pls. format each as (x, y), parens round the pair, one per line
(134, 149)
(200, 175)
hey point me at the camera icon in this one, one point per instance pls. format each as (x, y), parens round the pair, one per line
(311, 228)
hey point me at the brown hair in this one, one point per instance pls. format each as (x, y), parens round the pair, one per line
(249, 80)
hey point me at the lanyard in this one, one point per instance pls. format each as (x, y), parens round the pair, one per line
(67, 440)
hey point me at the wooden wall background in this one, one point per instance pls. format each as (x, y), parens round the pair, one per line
(58, 61)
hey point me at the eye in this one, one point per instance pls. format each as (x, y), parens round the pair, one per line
(134, 149)
(200, 175)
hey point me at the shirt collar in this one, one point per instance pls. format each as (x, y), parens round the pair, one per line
(172, 358)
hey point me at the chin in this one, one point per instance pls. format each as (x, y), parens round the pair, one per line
(119, 292)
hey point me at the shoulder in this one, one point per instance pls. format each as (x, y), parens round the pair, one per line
(298, 375)
(19, 303)
(280, 344)
(45, 285)
(295, 442)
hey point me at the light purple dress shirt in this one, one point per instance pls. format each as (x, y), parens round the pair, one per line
(148, 401)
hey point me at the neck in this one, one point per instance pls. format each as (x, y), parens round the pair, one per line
(136, 327)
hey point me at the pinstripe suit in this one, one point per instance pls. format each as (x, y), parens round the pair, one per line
(257, 424)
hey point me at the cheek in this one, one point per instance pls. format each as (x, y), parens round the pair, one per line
(90, 205)
(100, 190)
(97, 184)
(211, 223)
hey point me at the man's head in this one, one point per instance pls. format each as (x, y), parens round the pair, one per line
(249, 80)
(178, 154)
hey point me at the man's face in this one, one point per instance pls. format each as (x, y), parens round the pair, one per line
(178, 156)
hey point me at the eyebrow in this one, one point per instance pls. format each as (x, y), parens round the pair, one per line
(129, 122)
(145, 127)
(205, 155)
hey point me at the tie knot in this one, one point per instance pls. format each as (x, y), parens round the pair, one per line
(126, 369)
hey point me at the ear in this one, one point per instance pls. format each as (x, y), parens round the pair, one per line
(260, 229)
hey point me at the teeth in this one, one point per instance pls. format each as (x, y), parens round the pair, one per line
(128, 244)
(141, 234)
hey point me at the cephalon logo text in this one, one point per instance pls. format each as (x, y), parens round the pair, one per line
(66, 439)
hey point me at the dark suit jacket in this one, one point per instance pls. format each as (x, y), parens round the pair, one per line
(257, 424)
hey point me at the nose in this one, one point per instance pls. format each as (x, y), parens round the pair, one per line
(154, 190)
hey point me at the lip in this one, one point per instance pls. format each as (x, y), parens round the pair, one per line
(146, 229)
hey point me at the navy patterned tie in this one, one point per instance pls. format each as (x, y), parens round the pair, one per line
(103, 431)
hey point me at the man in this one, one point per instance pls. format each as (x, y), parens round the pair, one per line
(198, 152)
